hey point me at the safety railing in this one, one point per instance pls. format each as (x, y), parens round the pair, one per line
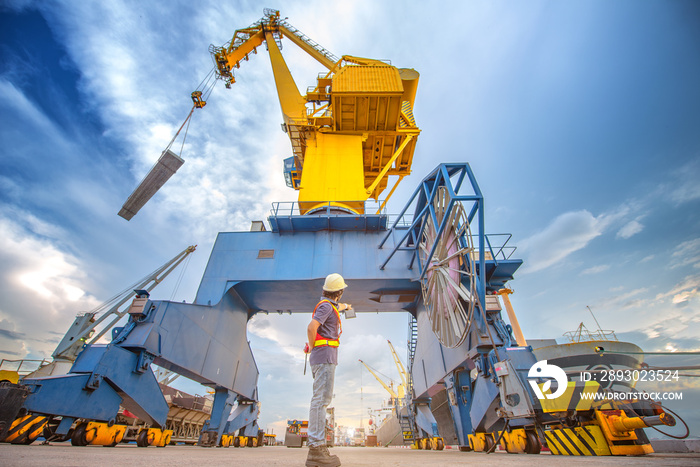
(497, 246)
(325, 208)
(584, 335)
(307, 40)
(23, 367)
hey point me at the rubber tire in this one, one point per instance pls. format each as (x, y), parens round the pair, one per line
(236, 442)
(428, 444)
(26, 442)
(533, 445)
(78, 436)
(440, 445)
(489, 444)
(48, 431)
(418, 444)
(250, 442)
(142, 439)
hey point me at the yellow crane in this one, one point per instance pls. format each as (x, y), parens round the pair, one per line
(355, 123)
(401, 408)
(395, 395)
(400, 392)
(399, 366)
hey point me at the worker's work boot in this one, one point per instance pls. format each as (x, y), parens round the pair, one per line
(320, 457)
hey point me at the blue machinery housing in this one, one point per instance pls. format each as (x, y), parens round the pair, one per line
(282, 271)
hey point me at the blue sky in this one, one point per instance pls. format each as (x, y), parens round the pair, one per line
(580, 120)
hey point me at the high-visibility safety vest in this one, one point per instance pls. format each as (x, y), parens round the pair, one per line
(321, 341)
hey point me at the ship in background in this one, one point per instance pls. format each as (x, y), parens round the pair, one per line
(591, 352)
(580, 351)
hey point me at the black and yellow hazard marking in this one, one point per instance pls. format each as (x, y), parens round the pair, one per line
(407, 114)
(586, 440)
(572, 399)
(26, 429)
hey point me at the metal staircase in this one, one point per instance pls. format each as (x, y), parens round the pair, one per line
(407, 419)
(407, 430)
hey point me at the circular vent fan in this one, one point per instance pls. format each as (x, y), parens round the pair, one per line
(450, 303)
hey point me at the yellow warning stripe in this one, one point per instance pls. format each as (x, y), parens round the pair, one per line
(407, 114)
(25, 429)
(580, 441)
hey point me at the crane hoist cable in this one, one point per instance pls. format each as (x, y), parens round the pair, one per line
(168, 163)
(180, 277)
(199, 98)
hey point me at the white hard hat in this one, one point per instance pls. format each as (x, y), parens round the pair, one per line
(334, 282)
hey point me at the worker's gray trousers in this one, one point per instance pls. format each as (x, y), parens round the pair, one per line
(324, 377)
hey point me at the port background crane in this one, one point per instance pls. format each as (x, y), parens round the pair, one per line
(540, 219)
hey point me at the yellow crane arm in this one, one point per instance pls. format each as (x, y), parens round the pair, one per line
(399, 365)
(291, 101)
(234, 55)
(388, 388)
(321, 55)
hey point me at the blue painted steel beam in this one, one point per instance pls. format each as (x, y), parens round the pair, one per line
(283, 271)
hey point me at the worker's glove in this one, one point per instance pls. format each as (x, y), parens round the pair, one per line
(306, 348)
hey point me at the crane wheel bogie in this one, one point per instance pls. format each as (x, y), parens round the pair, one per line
(153, 437)
(25, 429)
(97, 434)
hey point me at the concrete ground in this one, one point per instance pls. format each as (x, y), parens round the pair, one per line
(62, 454)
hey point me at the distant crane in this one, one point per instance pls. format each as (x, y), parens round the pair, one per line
(85, 325)
(395, 396)
(400, 392)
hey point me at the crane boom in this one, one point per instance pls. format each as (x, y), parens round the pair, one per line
(388, 388)
(323, 56)
(83, 329)
(399, 365)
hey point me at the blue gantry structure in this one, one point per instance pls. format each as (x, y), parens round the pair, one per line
(281, 271)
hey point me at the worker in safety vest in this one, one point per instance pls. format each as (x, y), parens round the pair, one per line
(323, 334)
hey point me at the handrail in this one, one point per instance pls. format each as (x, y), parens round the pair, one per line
(8, 365)
(293, 208)
(309, 41)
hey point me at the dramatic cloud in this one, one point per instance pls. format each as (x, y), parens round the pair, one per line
(75, 144)
(42, 281)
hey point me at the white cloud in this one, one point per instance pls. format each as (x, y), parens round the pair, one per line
(626, 299)
(567, 234)
(686, 187)
(687, 253)
(137, 66)
(43, 281)
(630, 229)
(683, 291)
(595, 269)
(685, 296)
